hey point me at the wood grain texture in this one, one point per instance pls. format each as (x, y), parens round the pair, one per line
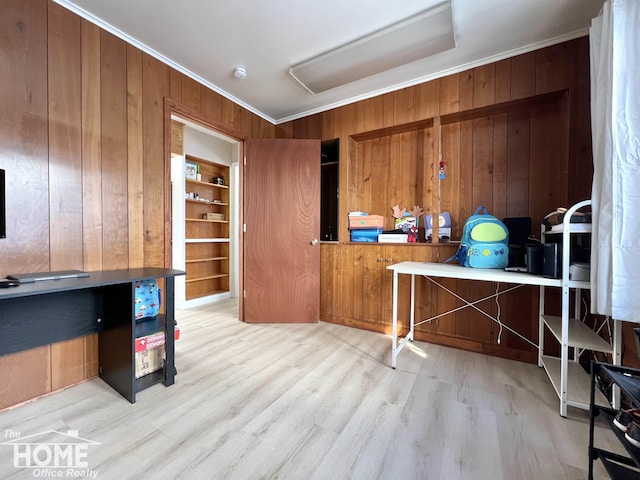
(496, 156)
(25, 375)
(282, 265)
(135, 158)
(91, 148)
(155, 86)
(319, 402)
(24, 136)
(191, 94)
(73, 103)
(113, 78)
(67, 363)
(65, 141)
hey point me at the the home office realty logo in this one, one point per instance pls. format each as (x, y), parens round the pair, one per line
(51, 454)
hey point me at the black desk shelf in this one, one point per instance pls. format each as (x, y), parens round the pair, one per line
(149, 326)
(628, 379)
(45, 312)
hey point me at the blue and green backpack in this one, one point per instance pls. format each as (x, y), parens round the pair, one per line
(484, 242)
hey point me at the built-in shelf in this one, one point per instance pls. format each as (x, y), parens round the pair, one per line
(205, 220)
(207, 277)
(206, 240)
(188, 180)
(191, 200)
(209, 259)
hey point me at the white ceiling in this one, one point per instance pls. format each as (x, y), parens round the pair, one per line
(207, 39)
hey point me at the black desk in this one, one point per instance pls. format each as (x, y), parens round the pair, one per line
(44, 312)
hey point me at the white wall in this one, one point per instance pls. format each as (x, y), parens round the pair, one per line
(208, 147)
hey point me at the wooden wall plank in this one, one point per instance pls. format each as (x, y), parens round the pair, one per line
(388, 108)
(65, 172)
(466, 90)
(155, 86)
(175, 83)
(212, 105)
(25, 375)
(548, 186)
(231, 114)
(580, 158)
(370, 114)
(484, 85)
(91, 363)
(555, 67)
(503, 81)
(67, 363)
(191, 94)
(24, 136)
(523, 78)
(113, 77)
(65, 141)
(450, 94)
(406, 194)
(328, 129)
(404, 106)
(500, 165)
(91, 148)
(372, 265)
(518, 167)
(376, 175)
(451, 186)
(427, 99)
(135, 158)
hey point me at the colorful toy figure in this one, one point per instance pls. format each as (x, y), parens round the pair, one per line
(413, 234)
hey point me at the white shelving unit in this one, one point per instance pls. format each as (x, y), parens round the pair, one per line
(570, 381)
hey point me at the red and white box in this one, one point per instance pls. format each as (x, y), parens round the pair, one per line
(154, 340)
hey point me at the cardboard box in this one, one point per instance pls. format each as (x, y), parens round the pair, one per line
(444, 226)
(365, 234)
(154, 340)
(149, 361)
(366, 221)
(393, 238)
(213, 216)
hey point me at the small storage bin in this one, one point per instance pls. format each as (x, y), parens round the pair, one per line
(366, 222)
(365, 234)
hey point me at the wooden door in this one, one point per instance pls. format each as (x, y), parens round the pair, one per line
(281, 254)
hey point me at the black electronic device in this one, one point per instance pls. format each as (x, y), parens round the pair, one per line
(8, 283)
(534, 259)
(552, 260)
(3, 211)
(519, 229)
(42, 276)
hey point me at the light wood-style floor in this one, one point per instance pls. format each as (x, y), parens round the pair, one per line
(317, 402)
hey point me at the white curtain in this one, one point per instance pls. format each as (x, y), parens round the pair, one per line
(615, 122)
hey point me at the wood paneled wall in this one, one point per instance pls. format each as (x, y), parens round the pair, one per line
(520, 161)
(82, 142)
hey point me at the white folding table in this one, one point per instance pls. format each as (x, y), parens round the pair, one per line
(447, 270)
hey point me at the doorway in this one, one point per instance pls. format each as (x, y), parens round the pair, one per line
(205, 210)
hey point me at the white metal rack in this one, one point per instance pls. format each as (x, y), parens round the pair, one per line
(568, 378)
